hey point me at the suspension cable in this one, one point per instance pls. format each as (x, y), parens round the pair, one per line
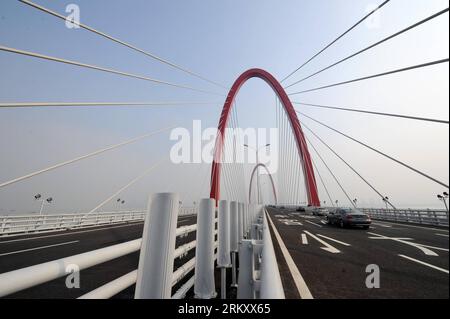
(350, 166)
(374, 113)
(98, 68)
(81, 104)
(377, 151)
(109, 37)
(371, 46)
(335, 40)
(331, 172)
(418, 66)
(18, 179)
(323, 183)
(133, 181)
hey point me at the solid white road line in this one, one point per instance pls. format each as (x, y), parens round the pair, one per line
(300, 283)
(313, 223)
(443, 235)
(336, 241)
(327, 247)
(425, 264)
(67, 234)
(304, 239)
(37, 248)
(323, 221)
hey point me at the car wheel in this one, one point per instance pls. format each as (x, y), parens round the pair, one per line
(366, 227)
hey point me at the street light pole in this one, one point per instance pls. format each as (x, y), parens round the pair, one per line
(386, 201)
(42, 207)
(443, 198)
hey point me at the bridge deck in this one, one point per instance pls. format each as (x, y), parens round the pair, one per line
(333, 261)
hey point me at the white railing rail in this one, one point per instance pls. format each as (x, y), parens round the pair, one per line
(417, 216)
(24, 224)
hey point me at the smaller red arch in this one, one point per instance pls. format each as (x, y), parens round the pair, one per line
(302, 147)
(271, 181)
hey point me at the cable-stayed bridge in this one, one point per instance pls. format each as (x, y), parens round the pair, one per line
(259, 233)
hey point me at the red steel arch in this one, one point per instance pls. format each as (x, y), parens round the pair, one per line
(305, 157)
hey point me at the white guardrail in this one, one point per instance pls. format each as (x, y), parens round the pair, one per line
(417, 216)
(24, 224)
(221, 233)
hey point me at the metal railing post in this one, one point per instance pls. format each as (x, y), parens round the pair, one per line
(154, 278)
(204, 286)
(223, 254)
(245, 280)
(234, 239)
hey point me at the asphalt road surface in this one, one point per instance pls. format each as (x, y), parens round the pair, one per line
(330, 262)
(23, 251)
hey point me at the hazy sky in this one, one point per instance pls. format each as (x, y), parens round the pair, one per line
(220, 40)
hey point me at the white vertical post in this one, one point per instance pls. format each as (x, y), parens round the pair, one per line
(241, 221)
(245, 223)
(234, 238)
(154, 277)
(234, 232)
(204, 287)
(223, 258)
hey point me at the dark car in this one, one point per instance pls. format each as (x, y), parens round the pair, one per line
(348, 217)
(301, 209)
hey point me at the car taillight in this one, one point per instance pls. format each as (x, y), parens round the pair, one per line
(349, 216)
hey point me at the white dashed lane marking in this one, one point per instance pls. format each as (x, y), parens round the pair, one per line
(382, 225)
(304, 239)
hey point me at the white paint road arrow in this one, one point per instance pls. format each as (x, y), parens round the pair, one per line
(335, 240)
(327, 246)
(425, 250)
(313, 223)
(425, 264)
